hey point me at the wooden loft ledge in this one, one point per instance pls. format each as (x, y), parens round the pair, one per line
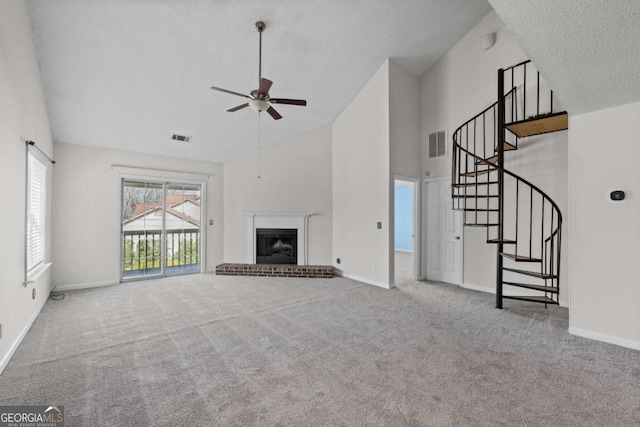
(540, 124)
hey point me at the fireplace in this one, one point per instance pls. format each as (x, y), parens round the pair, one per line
(276, 246)
(289, 221)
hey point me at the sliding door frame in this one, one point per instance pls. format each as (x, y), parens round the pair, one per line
(163, 180)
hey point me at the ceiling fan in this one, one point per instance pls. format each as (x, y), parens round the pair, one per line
(259, 98)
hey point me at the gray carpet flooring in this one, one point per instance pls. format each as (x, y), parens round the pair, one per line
(208, 350)
(403, 267)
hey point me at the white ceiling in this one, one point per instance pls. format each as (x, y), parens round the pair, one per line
(588, 50)
(128, 74)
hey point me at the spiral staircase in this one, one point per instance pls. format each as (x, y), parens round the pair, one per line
(520, 219)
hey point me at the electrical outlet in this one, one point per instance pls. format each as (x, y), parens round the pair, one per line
(33, 293)
(210, 222)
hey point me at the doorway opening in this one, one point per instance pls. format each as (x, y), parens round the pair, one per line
(405, 253)
(161, 231)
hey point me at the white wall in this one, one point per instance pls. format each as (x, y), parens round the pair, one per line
(404, 137)
(404, 122)
(361, 184)
(23, 115)
(463, 83)
(85, 210)
(295, 177)
(605, 237)
(459, 86)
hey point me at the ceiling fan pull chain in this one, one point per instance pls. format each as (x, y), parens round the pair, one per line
(259, 145)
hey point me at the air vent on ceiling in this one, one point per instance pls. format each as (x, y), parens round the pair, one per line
(180, 138)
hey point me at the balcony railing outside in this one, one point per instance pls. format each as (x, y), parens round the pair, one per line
(142, 252)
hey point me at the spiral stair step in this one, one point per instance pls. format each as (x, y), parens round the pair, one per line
(543, 300)
(549, 289)
(520, 258)
(539, 275)
(539, 125)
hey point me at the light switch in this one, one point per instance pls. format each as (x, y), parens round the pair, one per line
(210, 222)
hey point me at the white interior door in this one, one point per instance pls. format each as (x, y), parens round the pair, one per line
(443, 233)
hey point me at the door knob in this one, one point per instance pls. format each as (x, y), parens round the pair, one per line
(457, 237)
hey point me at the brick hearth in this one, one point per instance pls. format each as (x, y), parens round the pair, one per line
(275, 270)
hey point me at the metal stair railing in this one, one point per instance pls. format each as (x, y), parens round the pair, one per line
(517, 214)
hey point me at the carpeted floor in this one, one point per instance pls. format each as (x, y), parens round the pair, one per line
(209, 350)
(403, 267)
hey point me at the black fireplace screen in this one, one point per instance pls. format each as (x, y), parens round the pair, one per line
(276, 246)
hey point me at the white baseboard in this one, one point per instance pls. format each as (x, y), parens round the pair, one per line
(492, 290)
(18, 341)
(480, 288)
(76, 286)
(362, 279)
(610, 339)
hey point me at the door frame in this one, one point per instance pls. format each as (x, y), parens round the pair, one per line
(424, 220)
(161, 179)
(416, 214)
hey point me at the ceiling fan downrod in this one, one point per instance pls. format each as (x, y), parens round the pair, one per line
(260, 26)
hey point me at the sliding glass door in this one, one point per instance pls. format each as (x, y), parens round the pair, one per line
(182, 237)
(160, 229)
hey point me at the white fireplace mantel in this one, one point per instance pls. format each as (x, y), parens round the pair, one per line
(294, 220)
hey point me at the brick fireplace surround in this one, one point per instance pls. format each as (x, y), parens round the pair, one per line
(275, 270)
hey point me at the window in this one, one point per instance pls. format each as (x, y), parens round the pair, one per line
(36, 208)
(437, 144)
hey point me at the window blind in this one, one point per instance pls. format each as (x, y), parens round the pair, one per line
(36, 208)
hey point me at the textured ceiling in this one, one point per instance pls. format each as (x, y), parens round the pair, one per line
(588, 50)
(128, 74)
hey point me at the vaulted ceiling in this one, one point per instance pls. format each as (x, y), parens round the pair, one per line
(128, 74)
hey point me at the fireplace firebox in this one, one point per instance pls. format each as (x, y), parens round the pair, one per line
(276, 246)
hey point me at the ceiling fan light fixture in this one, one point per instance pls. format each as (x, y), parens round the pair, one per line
(259, 105)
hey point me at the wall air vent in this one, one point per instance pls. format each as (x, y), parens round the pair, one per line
(180, 138)
(437, 144)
